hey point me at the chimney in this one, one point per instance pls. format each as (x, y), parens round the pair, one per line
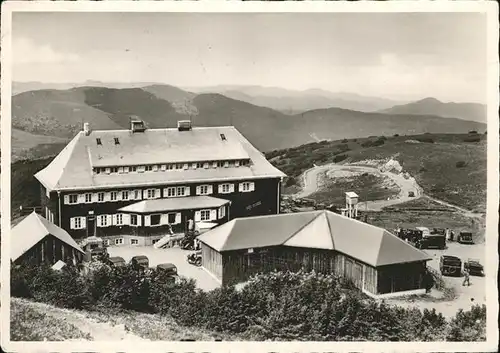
(137, 125)
(86, 129)
(184, 125)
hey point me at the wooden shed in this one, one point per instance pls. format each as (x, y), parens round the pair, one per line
(35, 238)
(377, 262)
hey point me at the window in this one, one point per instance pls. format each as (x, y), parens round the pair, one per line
(225, 188)
(180, 166)
(149, 168)
(124, 195)
(134, 241)
(114, 169)
(137, 194)
(171, 192)
(205, 165)
(88, 198)
(98, 141)
(246, 186)
(220, 164)
(151, 193)
(103, 220)
(97, 170)
(114, 195)
(106, 242)
(118, 241)
(205, 215)
(181, 191)
(77, 222)
(72, 199)
(119, 219)
(204, 190)
(223, 137)
(133, 220)
(171, 218)
(195, 165)
(133, 169)
(170, 166)
(100, 197)
(222, 212)
(117, 142)
(236, 163)
(199, 165)
(155, 219)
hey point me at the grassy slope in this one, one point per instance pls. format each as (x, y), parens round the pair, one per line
(29, 323)
(432, 164)
(27, 145)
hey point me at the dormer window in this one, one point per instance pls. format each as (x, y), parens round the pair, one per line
(223, 137)
(98, 141)
(117, 142)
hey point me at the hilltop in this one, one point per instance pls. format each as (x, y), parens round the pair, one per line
(431, 106)
(450, 167)
(61, 113)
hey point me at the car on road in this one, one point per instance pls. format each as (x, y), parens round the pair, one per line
(474, 267)
(450, 265)
(465, 238)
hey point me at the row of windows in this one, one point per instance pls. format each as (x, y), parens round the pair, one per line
(154, 220)
(170, 166)
(173, 191)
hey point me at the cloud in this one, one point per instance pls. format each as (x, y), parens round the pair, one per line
(25, 51)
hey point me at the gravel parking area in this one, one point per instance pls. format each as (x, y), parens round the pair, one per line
(177, 256)
(466, 296)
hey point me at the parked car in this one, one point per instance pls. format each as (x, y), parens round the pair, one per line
(411, 194)
(474, 267)
(168, 268)
(432, 241)
(116, 261)
(465, 238)
(425, 231)
(450, 265)
(140, 260)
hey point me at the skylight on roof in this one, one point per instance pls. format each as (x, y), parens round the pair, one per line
(98, 140)
(117, 142)
(223, 137)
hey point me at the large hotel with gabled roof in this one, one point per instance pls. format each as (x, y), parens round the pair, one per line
(131, 186)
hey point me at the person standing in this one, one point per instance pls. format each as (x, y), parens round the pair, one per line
(466, 278)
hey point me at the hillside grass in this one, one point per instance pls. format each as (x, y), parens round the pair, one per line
(30, 323)
(447, 166)
(372, 187)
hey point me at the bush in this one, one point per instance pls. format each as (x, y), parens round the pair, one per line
(339, 158)
(472, 139)
(460, 164)
(425, 139)
(290, 182)
(277, 306)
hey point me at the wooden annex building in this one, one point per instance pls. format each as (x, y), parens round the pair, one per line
(377, 262)
(37, 239)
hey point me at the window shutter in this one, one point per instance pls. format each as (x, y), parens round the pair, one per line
(99, 221)
(198, 190)
(114, 220)
(219, 212)
(119, 197)
(155, 168)
(213, 215)
(110, 220)
(231, 187)
(194, 165)
(94, 197)
(214, 164)
(178, 218)
(147, 221)
(145, 194)
(240, 187)
(108, 170)
(120, 169)
(210, 189)
(81, 198)
(139, 220)
(187, 190)
(185, 166)
(125, 169)
(252, 186)
(126, 219)
(220, 189)
(164, 219)
(157, 193)
(66, 199)
(107, 196)
(197, 216)
(237, 163)
(72, 223)
(84, 222)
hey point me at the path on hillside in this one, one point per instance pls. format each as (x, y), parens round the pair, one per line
(311, 185)
(99, 331)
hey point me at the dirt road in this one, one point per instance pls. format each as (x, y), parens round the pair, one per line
(311, 185)
(99, 331)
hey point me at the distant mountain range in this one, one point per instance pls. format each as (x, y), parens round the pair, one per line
(61, 113)
(432, 106)
(292, 102)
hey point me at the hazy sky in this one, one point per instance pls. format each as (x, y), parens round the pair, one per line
(386, 55)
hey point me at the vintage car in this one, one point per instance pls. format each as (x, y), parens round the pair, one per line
(116, 261)
(140, 260)
(465, 238)
(474, 267)
(450, 265)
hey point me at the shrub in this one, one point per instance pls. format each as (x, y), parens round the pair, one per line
(339, 158)
(425, 139)
(472, 139)
(460, 164)
(468, 325)
(290, 182)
